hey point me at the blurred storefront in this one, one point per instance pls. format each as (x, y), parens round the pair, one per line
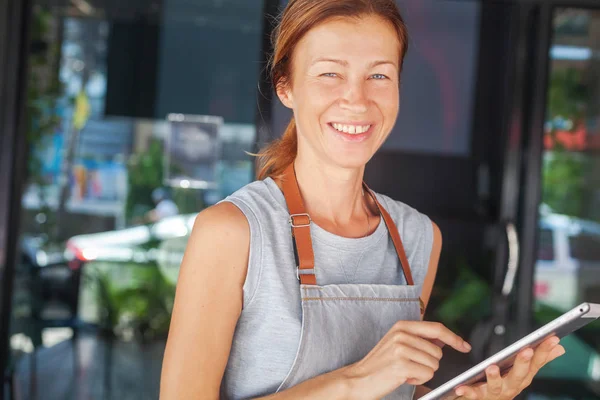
(103, 102)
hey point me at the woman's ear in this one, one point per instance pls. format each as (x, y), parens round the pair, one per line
(285, 95)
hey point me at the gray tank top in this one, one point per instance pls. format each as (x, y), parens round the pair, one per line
(267, 334)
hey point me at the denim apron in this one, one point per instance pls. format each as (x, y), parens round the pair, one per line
(342, 323)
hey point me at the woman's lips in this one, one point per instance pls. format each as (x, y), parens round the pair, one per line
(353, 137)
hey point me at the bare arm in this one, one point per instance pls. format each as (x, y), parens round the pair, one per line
(208, 303)
(434, 258)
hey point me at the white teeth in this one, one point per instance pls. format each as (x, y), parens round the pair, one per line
(351, 129)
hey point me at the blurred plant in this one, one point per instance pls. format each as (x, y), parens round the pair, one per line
(465, 302)
(134, 300)
(44, 90)
(564, 171)
(567, 95)
(564, 183)
(144, 174)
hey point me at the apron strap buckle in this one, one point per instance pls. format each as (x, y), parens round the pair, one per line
(304, 271)
(302, 224)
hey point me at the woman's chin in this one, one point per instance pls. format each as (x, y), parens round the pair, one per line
(350, 160)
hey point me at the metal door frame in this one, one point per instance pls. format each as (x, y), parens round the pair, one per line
(14, 22)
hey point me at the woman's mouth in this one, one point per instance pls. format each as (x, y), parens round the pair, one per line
(352, 132)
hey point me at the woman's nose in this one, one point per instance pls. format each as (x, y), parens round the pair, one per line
(355, 98)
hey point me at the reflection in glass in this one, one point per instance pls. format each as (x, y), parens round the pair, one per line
(568, 267)
(98, 264)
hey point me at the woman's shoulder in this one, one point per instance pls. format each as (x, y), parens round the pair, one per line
(257, 197)
(242, 213)
(222, 219)
(254, 188)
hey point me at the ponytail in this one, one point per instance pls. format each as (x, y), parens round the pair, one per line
(278, 155)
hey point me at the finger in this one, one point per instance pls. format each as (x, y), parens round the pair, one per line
(417, 355)
(555, 353)
(467, 392)
(542, 352)
(419, 374)
(494, 381)
(520, 370)
(540, 357)
(421, 344)
(434, 330)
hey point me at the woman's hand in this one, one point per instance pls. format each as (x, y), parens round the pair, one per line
(409, 352)
(526, 366)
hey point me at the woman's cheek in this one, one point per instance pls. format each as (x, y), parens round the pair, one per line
(387, 100)
(327, 93)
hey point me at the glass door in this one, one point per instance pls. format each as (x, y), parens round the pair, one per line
(136, 121)
(567, 266)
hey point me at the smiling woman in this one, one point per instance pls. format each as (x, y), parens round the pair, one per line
(305, 283)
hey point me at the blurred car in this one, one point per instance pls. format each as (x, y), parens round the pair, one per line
(567, 270)
(138, 243)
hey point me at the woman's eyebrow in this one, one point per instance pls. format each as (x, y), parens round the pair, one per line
(345, 63)
(333, 60)
(381, 62)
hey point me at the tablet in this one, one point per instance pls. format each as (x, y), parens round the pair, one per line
(561, 326)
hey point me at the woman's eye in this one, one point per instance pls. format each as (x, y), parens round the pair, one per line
(329, 74)
(379, 76)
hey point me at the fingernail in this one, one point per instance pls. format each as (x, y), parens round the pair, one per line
(460, 392)
(467, 346)
(528, 354)
(554, 341)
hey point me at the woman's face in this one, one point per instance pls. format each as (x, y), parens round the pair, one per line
(344, 90)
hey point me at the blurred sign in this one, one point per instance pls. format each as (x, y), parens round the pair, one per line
(81, 114)
(192, 151)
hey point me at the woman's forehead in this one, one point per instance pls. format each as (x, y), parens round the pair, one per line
(367, 38)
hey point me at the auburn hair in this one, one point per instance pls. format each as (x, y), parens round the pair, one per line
(298, 17)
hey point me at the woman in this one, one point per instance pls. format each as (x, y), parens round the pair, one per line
(305, 284)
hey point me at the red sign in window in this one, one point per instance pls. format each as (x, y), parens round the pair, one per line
(541, 289)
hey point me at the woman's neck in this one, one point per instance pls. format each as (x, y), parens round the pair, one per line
(334, 198)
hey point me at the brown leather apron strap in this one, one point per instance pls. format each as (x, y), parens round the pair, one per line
(300, 223)
(394, 233)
